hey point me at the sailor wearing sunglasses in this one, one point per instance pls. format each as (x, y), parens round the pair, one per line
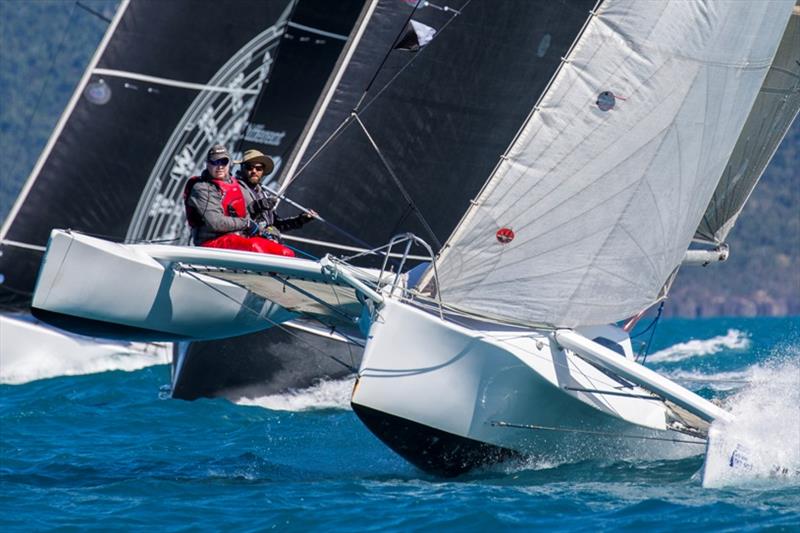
(218, 210)
(255, 166)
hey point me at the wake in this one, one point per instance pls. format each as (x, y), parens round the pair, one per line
(732, 340)
(327, 394)
(91, 358)
(763, 441)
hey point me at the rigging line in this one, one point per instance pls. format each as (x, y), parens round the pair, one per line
(591, 432)
(361, 251)
(399, 184)
(388, 53)
(650, 325)
(414, 58)
(267, 319)
(340, 128)
(653, 332)
(290, 179)
(20, 292)
(93, 12)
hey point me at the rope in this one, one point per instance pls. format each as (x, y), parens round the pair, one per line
(281, 196)
(299, 251)
(358, 108)
(414, 57)
(93, 12)
(388, 53)
(399, 184)
(643, 354)
(591, 432)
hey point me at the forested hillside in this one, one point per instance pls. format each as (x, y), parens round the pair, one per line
(46, 44)
(762, 275)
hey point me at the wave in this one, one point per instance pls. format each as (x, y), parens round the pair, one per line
(732, 340)
(717, 381)
(31, 351)
(765, 432)
(326, 394)
(92, 359)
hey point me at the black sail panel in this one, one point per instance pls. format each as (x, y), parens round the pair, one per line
(440, 117)
(275, 360)
(313, 40)
(144, 86)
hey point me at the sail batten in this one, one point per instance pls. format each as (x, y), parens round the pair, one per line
(606, 182)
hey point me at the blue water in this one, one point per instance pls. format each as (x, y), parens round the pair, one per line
(102, 451)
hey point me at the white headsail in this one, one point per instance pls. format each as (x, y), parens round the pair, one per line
(597, 199)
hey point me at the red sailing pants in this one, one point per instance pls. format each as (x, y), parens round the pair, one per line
(234, 241)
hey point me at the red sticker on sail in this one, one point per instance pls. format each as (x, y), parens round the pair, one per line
(504, 235)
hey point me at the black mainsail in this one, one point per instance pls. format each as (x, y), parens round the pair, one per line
(276, 360)
(155, 95)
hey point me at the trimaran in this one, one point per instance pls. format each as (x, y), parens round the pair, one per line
(507, 344)
(140, 114)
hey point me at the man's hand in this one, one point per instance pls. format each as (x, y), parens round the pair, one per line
(309, 215)
(252, 228)
(271, 232)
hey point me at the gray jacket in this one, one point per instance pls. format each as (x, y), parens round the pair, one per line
(206, 198)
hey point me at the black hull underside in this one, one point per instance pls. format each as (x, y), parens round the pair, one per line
(262, 363)
(429, 449)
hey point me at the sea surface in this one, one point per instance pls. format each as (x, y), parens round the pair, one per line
(105, 451)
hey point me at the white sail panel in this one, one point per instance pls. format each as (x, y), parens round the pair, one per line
(597, 199)
(773, 112)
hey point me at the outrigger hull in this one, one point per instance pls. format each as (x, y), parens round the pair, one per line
(96, 287)
(449, 398)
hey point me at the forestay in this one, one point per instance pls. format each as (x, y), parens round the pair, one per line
(598, 198)
(775, 108)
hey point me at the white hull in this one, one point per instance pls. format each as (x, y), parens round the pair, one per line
(448, 397)
(96, 287)
(30, 350)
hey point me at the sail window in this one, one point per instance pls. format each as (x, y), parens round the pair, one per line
(98, 93)
(544, 44)
(606, 101)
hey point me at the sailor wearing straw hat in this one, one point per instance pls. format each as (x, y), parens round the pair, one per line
(254, 166)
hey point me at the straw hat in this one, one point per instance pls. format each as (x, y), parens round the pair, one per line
(254, 157)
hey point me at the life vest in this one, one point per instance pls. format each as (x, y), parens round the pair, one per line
(233, 202)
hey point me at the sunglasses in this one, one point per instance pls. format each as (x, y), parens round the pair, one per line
(260, 168)
(219, 162)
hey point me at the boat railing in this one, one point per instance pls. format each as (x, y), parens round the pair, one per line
(409, 239)
(388, 279)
